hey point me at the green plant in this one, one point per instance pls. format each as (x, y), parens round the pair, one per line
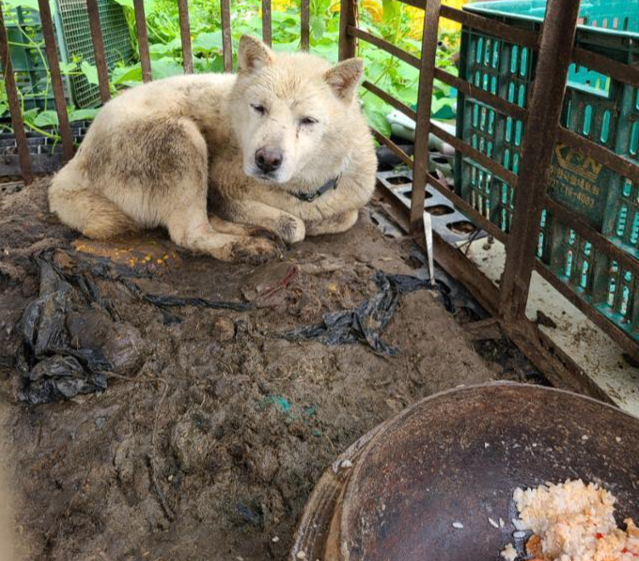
(388, 19)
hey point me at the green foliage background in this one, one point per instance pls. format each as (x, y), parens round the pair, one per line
(388, 19)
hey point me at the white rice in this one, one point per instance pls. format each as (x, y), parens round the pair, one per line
(574, 522)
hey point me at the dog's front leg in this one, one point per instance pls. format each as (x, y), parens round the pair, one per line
(288, 227)
(334, 225)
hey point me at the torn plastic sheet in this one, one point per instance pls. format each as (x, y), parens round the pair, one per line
(50, 367)
(365, 323)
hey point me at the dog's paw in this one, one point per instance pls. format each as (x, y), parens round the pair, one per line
(254, 251)
(291, 229)
(259, 232)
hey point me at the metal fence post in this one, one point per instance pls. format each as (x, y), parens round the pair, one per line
(13, 100)
(555, 53)
(422, 123)
(347, 18)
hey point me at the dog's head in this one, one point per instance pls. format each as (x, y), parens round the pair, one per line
(289, 110)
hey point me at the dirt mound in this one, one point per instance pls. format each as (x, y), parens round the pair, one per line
(213, 428)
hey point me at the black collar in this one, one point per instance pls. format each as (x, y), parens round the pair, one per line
(310, 197)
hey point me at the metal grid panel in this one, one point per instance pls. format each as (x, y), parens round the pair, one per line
(74, 19)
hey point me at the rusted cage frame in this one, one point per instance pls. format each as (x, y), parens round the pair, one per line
(555, 47)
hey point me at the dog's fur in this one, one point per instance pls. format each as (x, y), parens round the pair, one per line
(154, 152)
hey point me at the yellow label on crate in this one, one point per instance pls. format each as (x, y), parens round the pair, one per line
(574, 182)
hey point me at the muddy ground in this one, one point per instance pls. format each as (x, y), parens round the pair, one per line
(213, 429)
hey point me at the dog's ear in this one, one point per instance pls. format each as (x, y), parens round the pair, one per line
(253, 54)
(344, 78)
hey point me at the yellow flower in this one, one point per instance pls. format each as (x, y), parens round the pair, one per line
(416, 25)
(280, 5)
(336, 7)
(447, 24)
(417, 19)
(374, 8)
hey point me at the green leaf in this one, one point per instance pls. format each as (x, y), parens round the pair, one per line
(166, 67)
(30, 115)
(46, 119)
(149, 5)
(392, 11)
(318, 27)
(83, 114)
(207, 42)
(126, 74)
(290, 47)
(67, 67)
(90, 72)
(377, 119)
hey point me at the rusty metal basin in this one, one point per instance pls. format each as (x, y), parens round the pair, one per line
(457, 457)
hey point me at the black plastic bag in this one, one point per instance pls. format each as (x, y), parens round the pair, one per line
(365, 323)
(50, 369)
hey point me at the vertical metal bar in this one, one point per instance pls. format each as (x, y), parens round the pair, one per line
(347, 17)
(98, 49)
(56, 79)
(422, 124)
(546, 102)
(306, 25)
(267, 29)
(227, 44)
(14, 104)
(185, 35)
(143, 40)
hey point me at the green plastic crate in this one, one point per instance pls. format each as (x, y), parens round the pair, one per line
(596, 107)
(29, 64)
(73, 37)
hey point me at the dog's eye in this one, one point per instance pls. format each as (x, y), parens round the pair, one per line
(308, 121)
(259, 109)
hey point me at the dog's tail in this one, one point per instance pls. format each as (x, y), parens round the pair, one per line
(84, 209)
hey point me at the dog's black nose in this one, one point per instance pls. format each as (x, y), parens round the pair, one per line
(268, 160)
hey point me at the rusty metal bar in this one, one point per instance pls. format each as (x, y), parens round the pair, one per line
(56, 79)
(607, 66)
(384, 45)
(493, 27)
(503, 31)
(613, 331)
(465, 87)
(98, 50)
(466, 208)
(452, 260)
(558, 367)
(13, 100)
(267, 26)
(306, 25)
(347, 22)
(499, 104)
(431, 180)
(227, 44)
(422, 122)
(599, 153)
(557, 40)
(403, 156)
(569, 218)
(390, 100)
(185, 35)
(143, 40)
(490, 164)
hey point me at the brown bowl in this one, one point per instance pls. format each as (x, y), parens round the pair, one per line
(457, 457)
